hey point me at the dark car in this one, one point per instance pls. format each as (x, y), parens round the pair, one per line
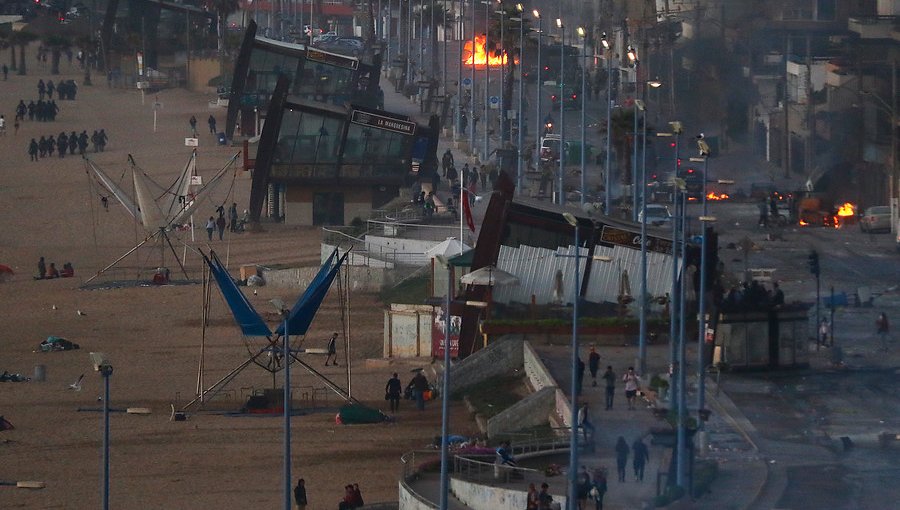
(571, 101)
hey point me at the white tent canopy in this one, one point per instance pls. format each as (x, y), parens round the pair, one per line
(447, 248)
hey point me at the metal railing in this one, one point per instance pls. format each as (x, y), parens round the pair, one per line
(487, 469)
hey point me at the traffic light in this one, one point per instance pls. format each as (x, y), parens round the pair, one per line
(813, 261)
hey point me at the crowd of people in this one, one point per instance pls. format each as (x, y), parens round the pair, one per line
(50, 272)
(41, 111)
(219, 223)
(753, 296)
(48, 146)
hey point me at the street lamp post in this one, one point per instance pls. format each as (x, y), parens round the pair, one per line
(102, 365)
(582, 33)
(562, 113)
(521, 113)
(471, 96)
(487, 79)
(607, 205)
(286, 353)
(540, 86)
(681, 445)
(445, 392)
(701, 340)
(633, 57)
(571, 500)
(503, 57)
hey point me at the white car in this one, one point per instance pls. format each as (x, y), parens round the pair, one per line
(657, 215)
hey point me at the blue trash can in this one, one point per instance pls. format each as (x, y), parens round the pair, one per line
(221, 138)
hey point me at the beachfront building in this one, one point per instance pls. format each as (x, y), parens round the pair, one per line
(327, 152)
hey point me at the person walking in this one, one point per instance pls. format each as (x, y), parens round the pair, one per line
(42, 89)
(823, 332)
(883, 328)
(446, 162)
(531, 499)
(545, 500)
(579, 382)
(631, 381)
(193, 123)
(42, 269)
(33, 150)
(419, 386)
(610, 377)
(220, 226)
(598, 490)
(621, 457)
(210, 227)
(2, 125)
(332, 350)
(300, 494)
(212, 124)
(233, 217)
(639, 458)
(392, 391)
(593, 365)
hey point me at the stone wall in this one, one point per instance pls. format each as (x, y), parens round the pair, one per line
(531, 411)
(498, 358)
(407, 331)
(538, 375)
(486, 497)
(409, 500)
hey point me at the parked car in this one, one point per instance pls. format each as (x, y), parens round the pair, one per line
(876, 219)
(657, 215)
(570, 102)
(550, 148)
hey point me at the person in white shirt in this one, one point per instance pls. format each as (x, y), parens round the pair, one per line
(631, 381)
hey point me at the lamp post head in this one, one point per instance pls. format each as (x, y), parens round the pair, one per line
(581, 32)
(655, 83)
(520, 8)
(559, 23)
(536, 14)
(570, 219)
(632, 54)
(604, 41)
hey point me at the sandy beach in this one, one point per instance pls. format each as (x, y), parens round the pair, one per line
(152, 335)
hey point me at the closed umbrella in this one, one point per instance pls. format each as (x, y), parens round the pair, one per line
(490, 276)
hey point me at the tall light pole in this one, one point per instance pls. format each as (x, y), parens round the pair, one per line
(390, 33)
(705, 219)
(286, 353)
(521, 113)
(562, 113)
(673, 300)
(582, 33)
(607, 206)
(681, 446)
(538, 118)
(487, 77)
(408, 40)
(445, 392)
(633, 58)
(503, 63)
(102, 365)
(471, 97)
(571, 500)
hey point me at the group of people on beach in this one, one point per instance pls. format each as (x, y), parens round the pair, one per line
(49, 272)
(65, 90)
(41, 111)
(47, 146)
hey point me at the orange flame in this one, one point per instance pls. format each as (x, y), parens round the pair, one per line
(846, 210)
(803, 223)
(481, 57)
(712, 195)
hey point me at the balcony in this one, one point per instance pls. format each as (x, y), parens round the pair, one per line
(878, 27)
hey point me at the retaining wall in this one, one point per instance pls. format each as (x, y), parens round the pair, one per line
(531, 411)
(409, 500)
(498, 358)
(486, 497)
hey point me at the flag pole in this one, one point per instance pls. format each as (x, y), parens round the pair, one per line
(460, 207)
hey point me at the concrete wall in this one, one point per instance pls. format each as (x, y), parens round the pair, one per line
(368, 279)
(409, 500)
(498, 358)
(563, 408)
(407, 331)
(538, 375)
(485, 497)
(203, 70)
(407, 251)
(531, 411)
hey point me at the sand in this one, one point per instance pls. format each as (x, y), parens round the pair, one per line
(152, 335)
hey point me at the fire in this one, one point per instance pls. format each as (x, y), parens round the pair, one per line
(803, 223)
(480, 55)
(712, 195)
(846, 210)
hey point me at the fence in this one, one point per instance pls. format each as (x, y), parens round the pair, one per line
(471, 469)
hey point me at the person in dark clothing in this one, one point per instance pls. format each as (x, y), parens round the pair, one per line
(42, 147)
(610, 377)
(777, 296)
(103, 139)
(300, 494)
(621, 457)
(212, 124)
(463, 123)
(220, 226)
(51, 146)
(594, 365)
(63, 142)
(583, 489)
(83, 142)
(233, 217)
(73, 142)
(5, 72)
(598, 490)
(50, 89)
(42, 269)
(579, 376)
(392, 391)
(95, 141)
(332, 349)
(446, 163)
(42, 89)
(763, 214)
(452, 175)
(640, 458)
(419, 385)
(193, 123)
(31, 108)
(33, 150)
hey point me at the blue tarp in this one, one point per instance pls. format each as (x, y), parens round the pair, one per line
(245, 315)
(305, 309)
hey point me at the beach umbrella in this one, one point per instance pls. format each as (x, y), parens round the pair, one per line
(490, 276)
(448, 248)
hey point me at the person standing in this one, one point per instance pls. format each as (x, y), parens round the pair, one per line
(584, 421)
(531, 499)
(5, 72)
(300, 494)
(631, 386)
(763, 213)
(483, 175)
(212, 124)
(50, 89)
(210, 227)
(42, 269)
(545, 500)
(446, 163)
(599, 489)
(33, 150)
(593, 365)
(233, 217)
(579, 381)
(621, 457)
(42, 89)
(640, 458)
(193, 123)
(392, 391)
(220, 225)
(332, 350)
(823, 332)
(883, 328)
(419, 385)
(610, 377)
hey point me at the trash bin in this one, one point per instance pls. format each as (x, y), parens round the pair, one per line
(221, 138)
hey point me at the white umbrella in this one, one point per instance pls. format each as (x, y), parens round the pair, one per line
(447, 248)
(490, 276)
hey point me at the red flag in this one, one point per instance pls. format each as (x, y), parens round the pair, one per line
(467, 212)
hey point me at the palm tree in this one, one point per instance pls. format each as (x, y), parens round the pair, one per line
(223, 9)
(22, 39)
(56, 44)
